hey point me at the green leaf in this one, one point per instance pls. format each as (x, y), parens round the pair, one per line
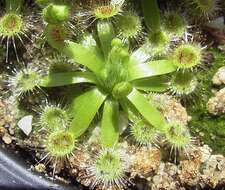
(67, 78)
(151, 14)
(84, 56)
(105, 34)
(147, 110)
(153, 84)
(84, 109)
(152, 68)
(110, 124)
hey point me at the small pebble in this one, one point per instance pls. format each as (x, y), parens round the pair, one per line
(25, 124)
(7, 139)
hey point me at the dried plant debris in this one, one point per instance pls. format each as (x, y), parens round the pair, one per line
(116, 94)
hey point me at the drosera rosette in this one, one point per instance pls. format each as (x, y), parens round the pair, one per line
(144, 134)
(202, 9)
(60, 20)
(60, 14)
(183, 84)
(59, 146)
(104, 10)
(175, 23)
(53, 115)
(59, 27)
(60, 143)
(178, 138)
(58, 63)
(187, 56)
(15, 27)
(24, 81)
(108, 170)
(59, 67)
(129, 26)
(97, 11)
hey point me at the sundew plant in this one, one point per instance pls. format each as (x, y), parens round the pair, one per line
(124, 64)
(15, 27)
(116, 74)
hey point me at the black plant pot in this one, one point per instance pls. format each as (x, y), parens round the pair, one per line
(14, 175)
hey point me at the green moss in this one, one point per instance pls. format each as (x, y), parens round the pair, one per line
(211, 129)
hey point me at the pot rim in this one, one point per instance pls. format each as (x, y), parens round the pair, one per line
(16, 175)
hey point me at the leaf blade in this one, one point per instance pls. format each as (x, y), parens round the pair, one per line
(84, 109)
(110, 124)
(152, 68)
(146, 109)
(153, 84)
(67, 78)
(84, 56)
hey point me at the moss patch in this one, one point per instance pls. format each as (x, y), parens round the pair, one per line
(211, 129)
